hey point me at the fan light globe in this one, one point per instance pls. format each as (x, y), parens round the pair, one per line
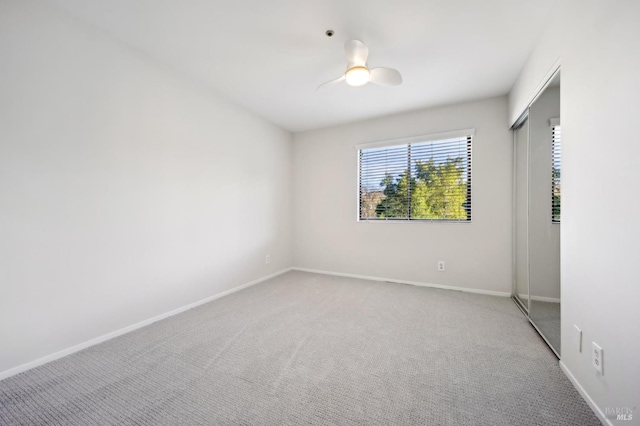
(357, 76)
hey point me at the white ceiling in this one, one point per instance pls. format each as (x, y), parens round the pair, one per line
(270, 55)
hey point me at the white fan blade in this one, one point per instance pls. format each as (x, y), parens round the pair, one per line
(385, 76)
(357, 53)
(331, 82)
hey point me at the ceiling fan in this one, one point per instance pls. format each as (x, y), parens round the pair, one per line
(358, 74)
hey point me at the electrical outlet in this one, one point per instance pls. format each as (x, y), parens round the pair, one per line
(440, 265)
(267, 259)
(578, 338)
(596, 357)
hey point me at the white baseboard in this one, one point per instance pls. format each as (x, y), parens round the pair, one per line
(539, 298)
(40, 361)
(416, 283)
(597, 411)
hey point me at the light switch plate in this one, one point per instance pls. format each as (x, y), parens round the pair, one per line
(578, 338)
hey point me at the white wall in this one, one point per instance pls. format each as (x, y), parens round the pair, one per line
(598, 43)
(328, 237)
(125, 192)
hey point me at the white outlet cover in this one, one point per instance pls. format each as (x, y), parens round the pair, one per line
(596, 357)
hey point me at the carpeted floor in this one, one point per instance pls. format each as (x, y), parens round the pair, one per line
(307, 349)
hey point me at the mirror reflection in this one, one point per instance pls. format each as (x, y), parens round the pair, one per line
(537, 155)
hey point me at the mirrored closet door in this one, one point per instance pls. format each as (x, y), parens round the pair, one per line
(537, 213)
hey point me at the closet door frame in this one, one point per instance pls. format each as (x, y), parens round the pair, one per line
(524, 117)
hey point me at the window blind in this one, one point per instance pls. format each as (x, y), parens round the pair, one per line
(556, 154)
(416, 181)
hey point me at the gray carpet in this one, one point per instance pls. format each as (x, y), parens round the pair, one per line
(306, 349)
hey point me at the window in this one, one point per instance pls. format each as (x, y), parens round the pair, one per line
(422, 179)
(556, 154)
